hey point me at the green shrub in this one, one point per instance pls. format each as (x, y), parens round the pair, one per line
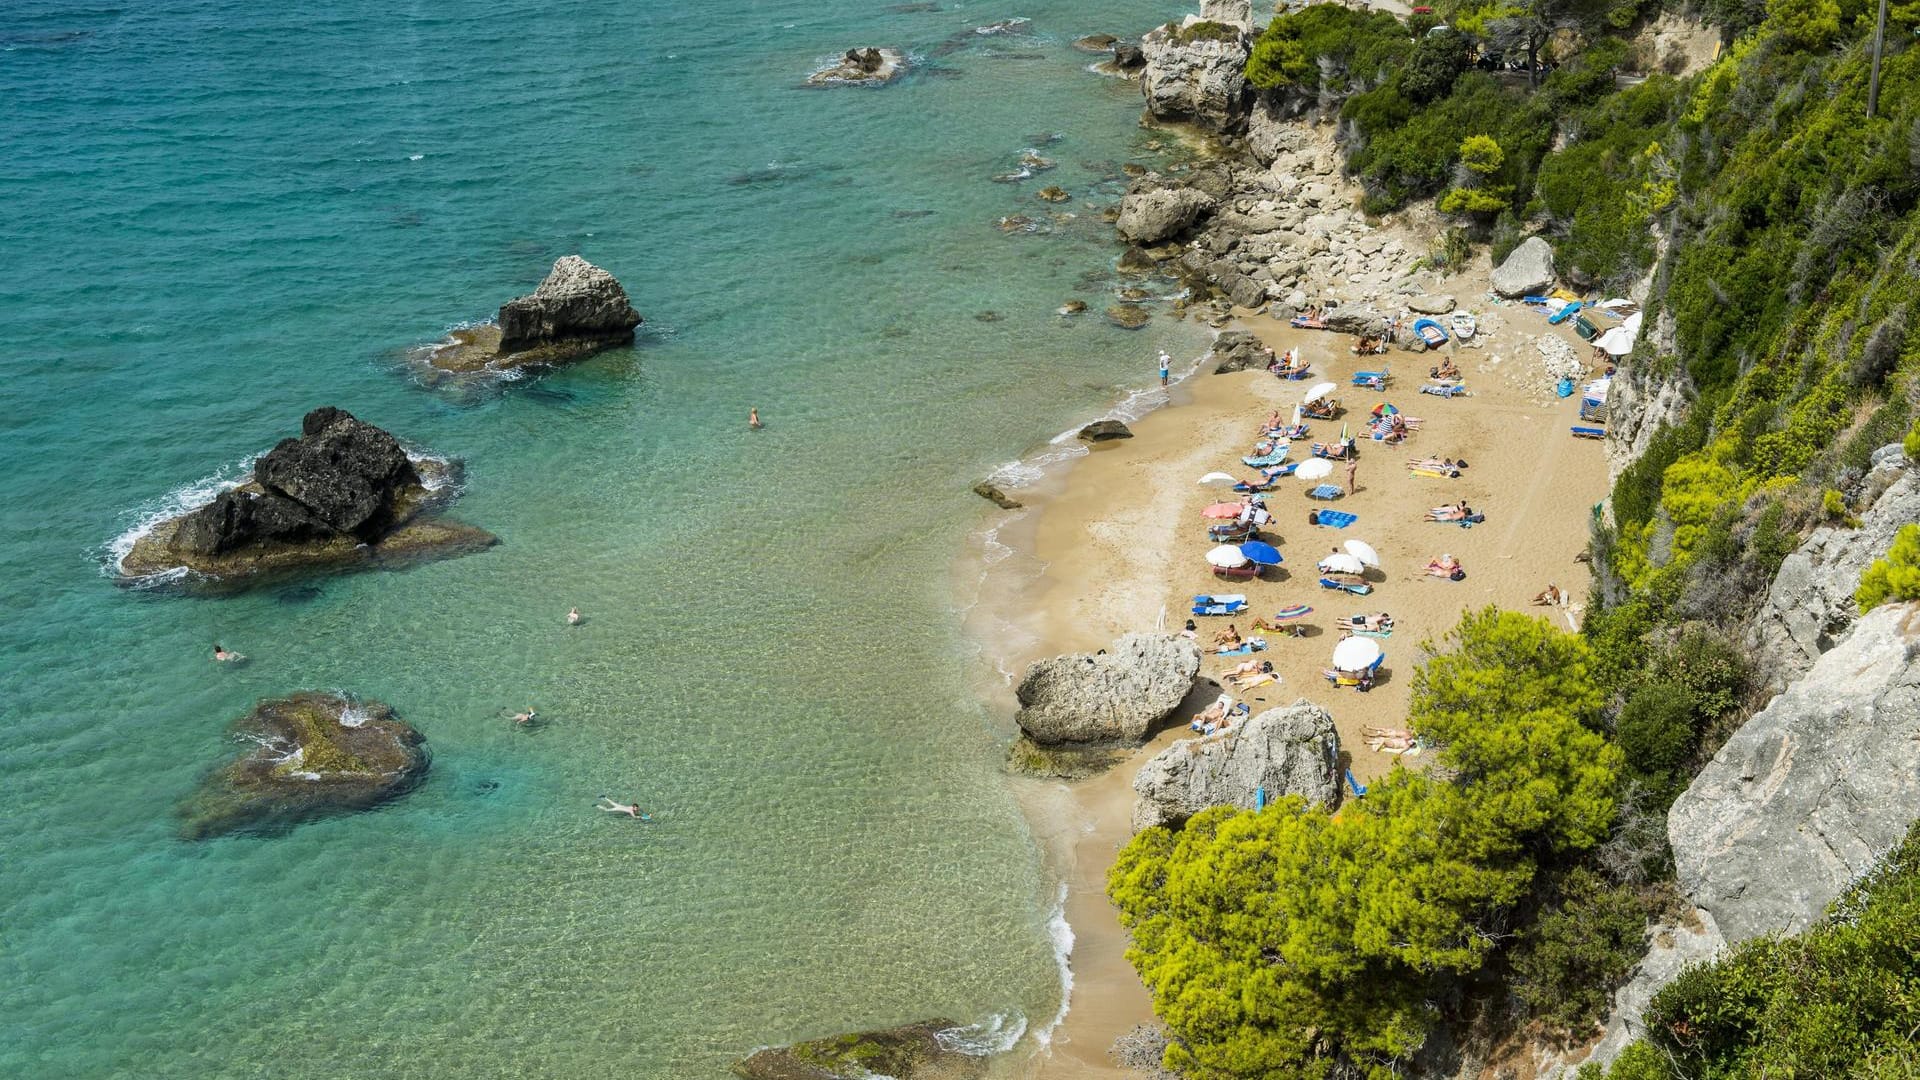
(1204, 30)
(1895, 576)
(1361, 48)
(1656, 735)
(1436, 61)
(1581, 948)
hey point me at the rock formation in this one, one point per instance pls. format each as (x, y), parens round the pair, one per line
(1286, 751)
(1811, 791)
(1128, 316)
(912, 1052)
(1527, 270)
(1117, 696)
(1196, 72)
(1127, 56)
(312, 754)
(1150, 213)
(1239, 350)
(577, 311)
(994, 495)
(1104, 431)
(1430, 305)
(344, 491)
(1810, 604)
(1095, 43)
(866, 65)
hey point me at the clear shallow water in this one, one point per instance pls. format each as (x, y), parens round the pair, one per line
(222, 214)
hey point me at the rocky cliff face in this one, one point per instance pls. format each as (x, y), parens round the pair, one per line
(1116, 696)
(1810, 604)
(1196, 78)
(1287, 751)
(1644, 397)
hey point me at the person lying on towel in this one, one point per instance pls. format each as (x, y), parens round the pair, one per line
(1459, 511)
(1445, 566)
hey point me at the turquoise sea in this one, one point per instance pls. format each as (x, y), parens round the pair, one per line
(218, 215)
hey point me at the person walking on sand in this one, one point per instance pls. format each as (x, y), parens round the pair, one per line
(573, 616)
(1353, 469)
(753, 418)
(632, 810)
(1164, 361)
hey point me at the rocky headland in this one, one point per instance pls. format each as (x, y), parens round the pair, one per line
(578, 310)
(312, 754)
(341, 494)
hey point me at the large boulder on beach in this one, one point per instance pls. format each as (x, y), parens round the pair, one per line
(1430, 304)
(1812, 791)
(1104, 431)
(928, 1050)
(578, 307)
(310, 754)
(1353, 320)
(1239, 350)
(1292, 750)
(1154, 214)
(1114, 696)
(1196, 72)
(1526, 271)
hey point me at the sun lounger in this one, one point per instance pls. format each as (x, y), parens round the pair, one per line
(1305, 322)
(1443, 390)
(1264, 460)
(1357, 588)
(1224, 604)
(1339, 450)
(1372, 380)
(1326, 491)
(1233, 532)
(1338, 519)
(1300, 372)
(1581, 431)
(1359, 790)
(1259, 678)
(1321, 410)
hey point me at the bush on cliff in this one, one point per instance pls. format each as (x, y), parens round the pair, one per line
(1895, 577)
(1327, 47)
(1286, 941)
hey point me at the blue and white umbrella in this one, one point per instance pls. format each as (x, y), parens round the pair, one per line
(1264, 554)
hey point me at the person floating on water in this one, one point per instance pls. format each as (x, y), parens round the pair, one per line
(753, 418)
(632, 810)
(525, 717)
(226, 656)
(573, 616)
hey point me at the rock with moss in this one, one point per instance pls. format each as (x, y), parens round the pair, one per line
(922, 1051)
(343, 493)
(308, 755)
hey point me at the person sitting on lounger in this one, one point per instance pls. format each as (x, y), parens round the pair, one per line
(1227, 638)
(1445, 566)
(1206, 719)
(1551, 596)
(1447, 370)
(1289, 365)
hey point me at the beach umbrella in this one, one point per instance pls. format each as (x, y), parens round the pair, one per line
(1355, 654)
(1223, 511)
(1318, 391)
(1342, 563)
(1314, 469)
(1295, 422)
(1294, 611)
(1226, 555)
(1363, 551)
(1264, 554)
(1217, 478)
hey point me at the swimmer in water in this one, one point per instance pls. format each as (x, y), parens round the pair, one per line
(226, 656)
(632, 810)
(573, 616)
(524, 717)
(753, 418)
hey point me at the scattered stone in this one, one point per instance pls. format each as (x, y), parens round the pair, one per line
(862, 66)
(1430, 305)
(1073, 307)
(1526, 271)
(912, 1052)
(1113, 697)
(1017, 223)
(1095, 43)
(994, 495)
(1054, 194)
(1128, 316)
(1103, 431)
(1032, 160)
(1286, 751)
(312, 754)
(1159, 213)
(1143, 1049)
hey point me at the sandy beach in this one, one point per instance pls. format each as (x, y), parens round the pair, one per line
(1122, 542)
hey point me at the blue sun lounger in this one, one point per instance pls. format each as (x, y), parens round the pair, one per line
(1226, 604)
(1373, 380)
(1326, 491)
(1264, 461)
(1359, 789)
(1337, 519)
(1357, 589)
(1581, 431)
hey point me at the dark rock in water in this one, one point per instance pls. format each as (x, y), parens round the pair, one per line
(579, 306)
(912, 1052)
(988, 316)
(299, 594)
(909, 215)
(1073, 307)
(1104, 430)
(1133, 296)
(1053, 194)
(1136, 261)
(1028, 758)
(862, 66)
(1095, 43)
(1128, 57)
(1017, 223)
(312, 754)
(343, 492)
(995, 496)
(1128, 317)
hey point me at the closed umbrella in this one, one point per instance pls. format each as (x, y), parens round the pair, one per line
(1296, 416)
(1314, 469)
(1356, 654)
(1217, 478)
(1318, 391)
(1342, 563)
(1363, 551)
(1264, 554)
(1223, 511)
(1226, 555)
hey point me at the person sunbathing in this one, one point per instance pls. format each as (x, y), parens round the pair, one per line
(1372, 622)
(1212, 714)
(1459, 511)
(1551, 596)
(1248, 669)
(1447, 370)
(1289, 365)
(1227, 638)
(1388, 740)
(1444, 566)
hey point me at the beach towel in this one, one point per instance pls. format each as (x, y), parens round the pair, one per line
(1336, 519)
(1326, 491)
(1247, 647)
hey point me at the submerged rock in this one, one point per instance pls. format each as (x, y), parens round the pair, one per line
(1095, 43)
(1054, 194)
(994, 495)
(343, 492)
(1112, 697)
(865, 65)
(911, 1052)
(578, 310)
(312, 754)
(1287, 751)
(1073, 307)
(1128, 317)
(1526, 271)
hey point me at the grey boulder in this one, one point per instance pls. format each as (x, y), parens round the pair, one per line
(1526, 271)
(1239, 350)
(1112, 697)
(1159, 213)
(1430, 305)
(578, 305)
(1292, 750)
(1196, 78)
(1104, 431)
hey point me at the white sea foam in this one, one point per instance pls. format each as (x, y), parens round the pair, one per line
(1061, 933)
(997, 1034)
(171, 505)
(354, 715)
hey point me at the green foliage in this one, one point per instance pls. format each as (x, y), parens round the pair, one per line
(1834, 505)
(1436, 61)
(1583, 945)
(1895, 576)
(1287, 942)
(1362, 48)
(1655, 733)
(1475, 200)
(1911, 444)
(1203, 30)
(1806, 24)
(1481, 155)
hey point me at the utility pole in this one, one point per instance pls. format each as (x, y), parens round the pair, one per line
(1879, 42)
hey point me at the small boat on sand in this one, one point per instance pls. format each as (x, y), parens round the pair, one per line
(1463, 325)
(1430, 332)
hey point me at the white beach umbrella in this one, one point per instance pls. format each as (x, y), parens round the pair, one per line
(1342, 563)
(1355, 654)
(1227, 555)
(1363, 551)
(1318, 391)
(1218, 478)
(1295, 422)
(1314, 469)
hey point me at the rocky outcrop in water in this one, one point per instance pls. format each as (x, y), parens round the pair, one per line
(1527, 270)
(578, 310)
(343, 492)
(866, 65)
(1811, 791)
(921, 1051)
(1116, 696)
(1196, 72)
(992, 493)
(310, 754)
(1286, 751)
(1810, 604)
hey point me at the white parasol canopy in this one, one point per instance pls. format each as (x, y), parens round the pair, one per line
(1318, 391)
(1227, 556)
(1218, 478)
(1363, 551)
(1342, 563)
(1355, 654)
(1314, 469)
(1619, 340)
(1295, 422)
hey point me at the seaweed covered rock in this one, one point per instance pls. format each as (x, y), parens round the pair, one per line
(309, 755)
(922, 1051)
(343, 492)
(1115, 696)
(1286, 751)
